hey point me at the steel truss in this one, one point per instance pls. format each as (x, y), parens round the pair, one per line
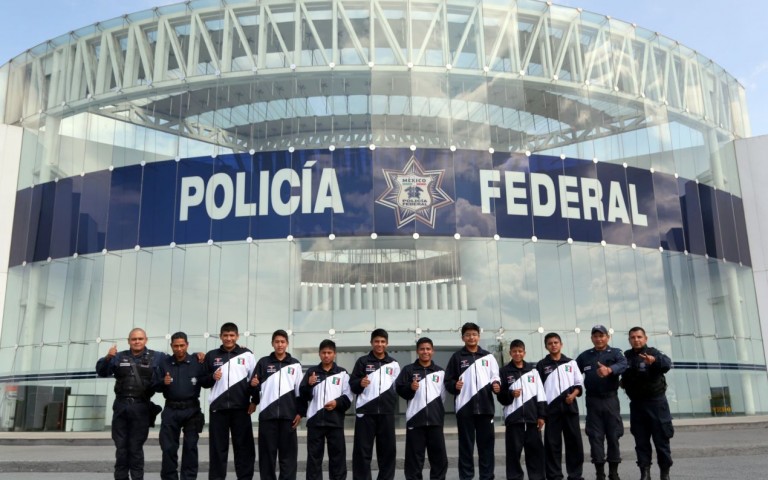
(127, 68)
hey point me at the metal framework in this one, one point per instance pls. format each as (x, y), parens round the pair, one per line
(128, 68)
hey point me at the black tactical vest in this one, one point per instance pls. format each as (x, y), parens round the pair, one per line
(128, 383)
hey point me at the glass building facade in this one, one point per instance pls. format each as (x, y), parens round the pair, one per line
(330, 167)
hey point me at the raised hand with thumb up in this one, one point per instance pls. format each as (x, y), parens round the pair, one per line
(312, 378)
(168, 379)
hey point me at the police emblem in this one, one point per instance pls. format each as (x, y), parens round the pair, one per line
(414, 194)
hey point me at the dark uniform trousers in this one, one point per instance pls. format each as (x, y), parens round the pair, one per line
(368, 428)
(337, 453)
(431, 439)
(651, 419)
(604, 425)
(239, 422)
(559, 427)
(174, 421)
(475, 427)
(130, 429)
(277, 441)
(526, 436)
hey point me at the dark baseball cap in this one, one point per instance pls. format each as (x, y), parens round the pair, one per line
(600, 328)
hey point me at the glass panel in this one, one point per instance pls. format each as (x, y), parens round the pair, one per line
(20, 232)
(693, 226)
(582, 200)
(193, 224)
(727, 223)
(158, 203)
(43, 198)
(642, 208)
(617, 228)
(512, 209)
(313, 216)
(670, 220)
(548, 222)
(712, 237)
(745, 257)
(92, 223)
(354, 170)
(65, 212)
(124, 207)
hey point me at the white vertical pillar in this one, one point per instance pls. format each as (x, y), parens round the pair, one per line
(463, 296)
(347, 297)
(443, 296)
(414, 297)
(423, 304)
(433, 305)
(336, 298)
(379, 297)
(369, 297)
(454, 296)
(325, 304)
(358, 305)
(391, 302)
(402, 298)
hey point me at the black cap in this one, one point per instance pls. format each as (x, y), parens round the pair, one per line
(600, 328)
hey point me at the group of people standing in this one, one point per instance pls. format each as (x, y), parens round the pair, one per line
(535, 398)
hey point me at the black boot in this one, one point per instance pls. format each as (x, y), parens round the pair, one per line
(664, 473)
(600, 471)
(613, 471)
(645, 473)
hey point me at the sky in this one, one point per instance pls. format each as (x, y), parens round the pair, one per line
(734, 34)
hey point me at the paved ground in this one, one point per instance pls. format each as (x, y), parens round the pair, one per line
(712, 468)
(703, 449)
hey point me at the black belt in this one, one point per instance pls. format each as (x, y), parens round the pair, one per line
(131, 399)
(182, 404)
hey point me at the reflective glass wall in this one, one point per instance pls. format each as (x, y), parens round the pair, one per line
(136, 96)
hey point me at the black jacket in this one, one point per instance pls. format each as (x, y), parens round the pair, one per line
(476, 396)
(187, 378)
(379, 398)
(532, 403)
(610, 357)
(642, 381)
(278, 389)
(331, 385)
(425, 405)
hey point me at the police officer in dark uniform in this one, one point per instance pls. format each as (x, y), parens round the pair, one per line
(134, 372)
(181, 374)
(601, 367)
(649, 415)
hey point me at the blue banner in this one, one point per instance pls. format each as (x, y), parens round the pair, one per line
(387, 191)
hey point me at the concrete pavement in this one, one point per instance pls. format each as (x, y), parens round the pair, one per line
(705, 446)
